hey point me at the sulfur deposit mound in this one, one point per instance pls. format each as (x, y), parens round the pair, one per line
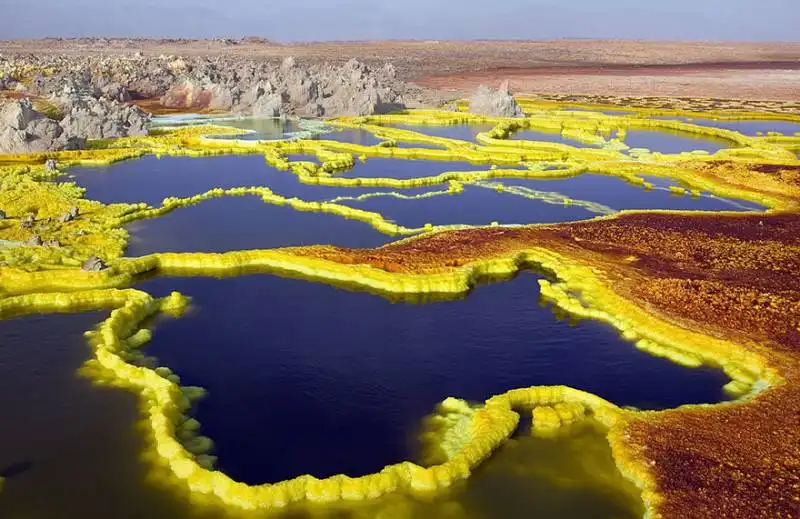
(494, 103)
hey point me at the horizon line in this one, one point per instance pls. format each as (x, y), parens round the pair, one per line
(269, 41)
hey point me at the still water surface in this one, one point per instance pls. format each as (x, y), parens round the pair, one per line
(307, 378)
(340, 380)
(232, 223)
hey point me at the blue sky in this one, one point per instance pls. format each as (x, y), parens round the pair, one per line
(310, 20)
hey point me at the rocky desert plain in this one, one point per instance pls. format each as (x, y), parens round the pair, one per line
(96, 77)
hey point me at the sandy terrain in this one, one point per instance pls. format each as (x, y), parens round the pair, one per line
(703, 69)
(762, 81)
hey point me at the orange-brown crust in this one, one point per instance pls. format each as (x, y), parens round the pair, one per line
(154, 106)
(733, 276)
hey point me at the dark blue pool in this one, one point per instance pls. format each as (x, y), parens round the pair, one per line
(306, 378)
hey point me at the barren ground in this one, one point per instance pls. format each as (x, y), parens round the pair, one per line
(697, 69)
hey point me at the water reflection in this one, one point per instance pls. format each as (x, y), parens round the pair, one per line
(751, 128)
(534, 135)
(571, 476)
(235, 223)
(69, 449)
(306, 378)
(464, 132)
(665, 141)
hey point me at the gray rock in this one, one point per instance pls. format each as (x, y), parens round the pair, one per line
(15, 141)
(65, 83)
(70, 215)
(89, 118)
(73, 143)
(228, 83)
(494, 103)
(149, 84)
(34, 241)
(288, 63)
(7, 82)
(94, 264)
(50, 165)
(265, 90)
(24, 130)
(19, 114)
(27, 222)
(115, 91)
(45, 134)
(270, 105)
(191, 92)
(253, 94)
(301, 87)
(51, 243)
(355, 89)
(223, 98)
(313, 110)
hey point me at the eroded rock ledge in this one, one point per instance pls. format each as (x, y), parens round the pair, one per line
(77, 98)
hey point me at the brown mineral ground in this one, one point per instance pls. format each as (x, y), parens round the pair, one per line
(730, 276)
(154, 107)
(616, 67)
(745, 80)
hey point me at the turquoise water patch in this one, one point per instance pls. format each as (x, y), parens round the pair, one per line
(352, 136)
(751, 128)
(379, 167)
(664, 141)
(534, 135)
(464, 132)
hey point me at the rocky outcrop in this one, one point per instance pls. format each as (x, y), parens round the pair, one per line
(262, 100)
(269, 105)
(113, 90)
(287, 89)
(24, 130)
(90, 118)
(494, 103)
(94, 264)
(69, 215)
(91, 94)
(198, 94)
(355, 89)
(28, 221)
(7, 82)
